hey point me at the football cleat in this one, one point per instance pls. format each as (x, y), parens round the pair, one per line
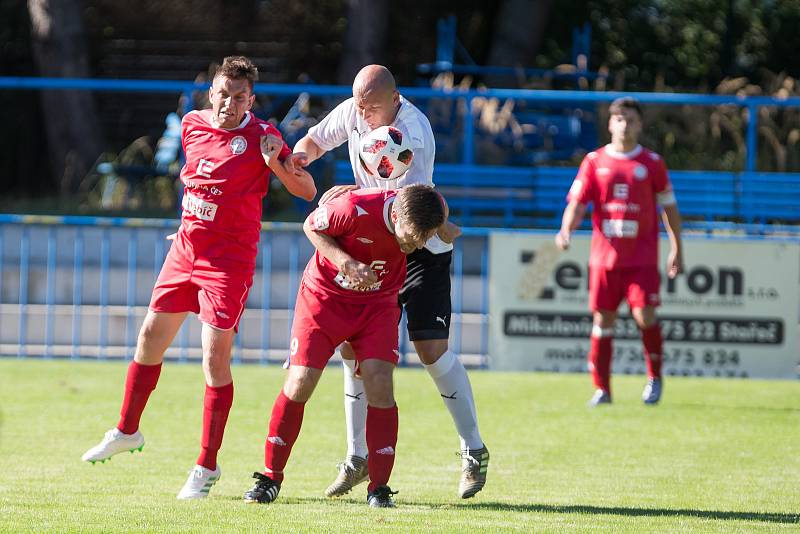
(652, 391)
(600, 396)
(474, 464)
(381, 497)
(199, 482)
(352, 472)
(114, 442)
(264, 491)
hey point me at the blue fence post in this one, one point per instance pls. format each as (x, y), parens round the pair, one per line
(752, 137)
(77, 293)
(468, 157)
(458, 271)
(130, 323)
(24, 266)
(50, 297)
(105, 254)
(266, 295)
(484, 309)
(294, 252)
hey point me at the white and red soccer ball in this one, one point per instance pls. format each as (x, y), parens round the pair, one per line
(385, 153)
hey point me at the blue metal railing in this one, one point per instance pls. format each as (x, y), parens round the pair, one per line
(82, 292)
(751, 103)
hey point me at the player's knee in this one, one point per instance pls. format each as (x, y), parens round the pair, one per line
(379, 387)
(299, 385)
(430, 350)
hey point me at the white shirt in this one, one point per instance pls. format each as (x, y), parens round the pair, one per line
(344, 123)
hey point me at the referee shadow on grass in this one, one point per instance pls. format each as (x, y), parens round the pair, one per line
(767, 517)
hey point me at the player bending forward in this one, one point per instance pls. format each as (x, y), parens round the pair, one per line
(349, 293)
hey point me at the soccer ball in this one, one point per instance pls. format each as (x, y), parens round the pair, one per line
(385, 153)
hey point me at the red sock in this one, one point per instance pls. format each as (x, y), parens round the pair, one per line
(216, 406)
(381, 442)
(284, 427)
(600, 361)
(140, 382)
(653, 350)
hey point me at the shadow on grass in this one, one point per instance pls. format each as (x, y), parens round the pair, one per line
(768, 517)
(705, 406)
(765, 517)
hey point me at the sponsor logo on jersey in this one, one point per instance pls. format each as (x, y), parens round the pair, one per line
(215, 190)
(199, 207)
(640, 172)
(620, 228)
(621, 191)
(320, 220)
(238, 145)
(204, 168)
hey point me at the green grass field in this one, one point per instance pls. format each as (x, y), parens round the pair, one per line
(716, 456)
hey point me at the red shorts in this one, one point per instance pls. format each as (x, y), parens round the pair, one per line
(322, 322)
(216, 296)
(638, 285)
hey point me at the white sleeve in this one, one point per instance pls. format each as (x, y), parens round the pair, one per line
(334, 129)
(423, 144)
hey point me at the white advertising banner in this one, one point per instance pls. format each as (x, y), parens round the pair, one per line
(733, 313)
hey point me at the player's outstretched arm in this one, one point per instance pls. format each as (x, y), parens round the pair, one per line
(359, 274)
(672, 222)
(305, 152)
(296, 180)
(573, 215)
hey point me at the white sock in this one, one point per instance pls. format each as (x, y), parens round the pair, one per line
(355, 411)
(452, 381)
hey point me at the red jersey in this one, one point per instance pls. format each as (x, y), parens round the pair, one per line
(623, 188)
(225, 180)
(359, 221)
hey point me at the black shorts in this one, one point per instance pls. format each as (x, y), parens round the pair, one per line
(426, 295)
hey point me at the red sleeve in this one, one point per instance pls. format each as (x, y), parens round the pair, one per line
(583, 186)
(285, 150)
(334, 218)
(661, 181)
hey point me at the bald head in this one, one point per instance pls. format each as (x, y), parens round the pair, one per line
(373, 78)
(376, 96)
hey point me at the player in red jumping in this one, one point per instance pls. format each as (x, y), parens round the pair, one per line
(349, 293)
(626, 183)
(210, 265)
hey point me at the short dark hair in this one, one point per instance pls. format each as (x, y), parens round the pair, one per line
(625, 102)
(238, 68)
(420, 207)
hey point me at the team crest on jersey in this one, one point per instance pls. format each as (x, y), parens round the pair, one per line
(238, 145)
(640, 172)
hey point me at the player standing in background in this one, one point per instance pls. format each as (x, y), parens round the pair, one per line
(426, 292)
(210, 265)
(626, 183)
(349, 293)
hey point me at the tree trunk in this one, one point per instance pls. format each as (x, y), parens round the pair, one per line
(518, 32)
(365, 41)
(74, 140)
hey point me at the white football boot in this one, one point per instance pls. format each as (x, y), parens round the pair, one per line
(114, 442)
(199, 482)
